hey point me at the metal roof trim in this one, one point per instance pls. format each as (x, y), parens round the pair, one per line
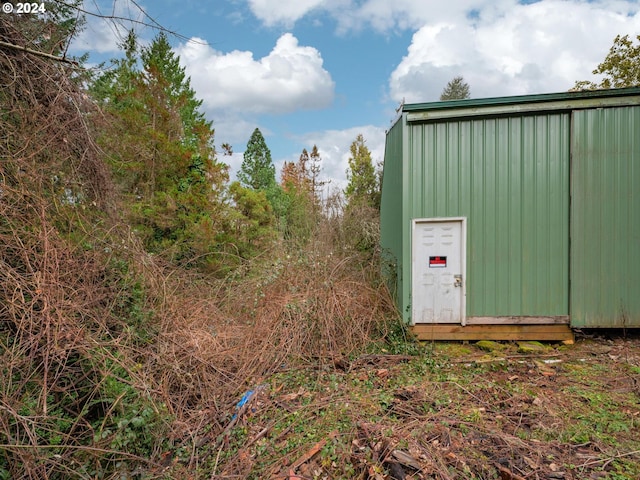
(522, 104)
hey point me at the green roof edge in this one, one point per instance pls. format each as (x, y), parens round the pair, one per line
(521, 99)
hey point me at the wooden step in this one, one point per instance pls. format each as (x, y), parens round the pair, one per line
(441, 331)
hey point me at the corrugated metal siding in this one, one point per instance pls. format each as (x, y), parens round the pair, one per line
(391, 212)
(509, 177)
(605, 218)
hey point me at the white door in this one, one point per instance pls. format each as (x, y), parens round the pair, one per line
(438, 260)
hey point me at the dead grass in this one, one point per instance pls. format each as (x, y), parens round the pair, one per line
(218, 340)
(114, 362)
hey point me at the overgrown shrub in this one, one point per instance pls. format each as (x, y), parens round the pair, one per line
(120, 363)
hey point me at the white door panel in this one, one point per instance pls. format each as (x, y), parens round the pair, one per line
(438, 271)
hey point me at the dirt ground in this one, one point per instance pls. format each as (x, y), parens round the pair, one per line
(500, 410)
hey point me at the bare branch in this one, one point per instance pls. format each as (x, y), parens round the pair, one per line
(40, 54)
(151, 23)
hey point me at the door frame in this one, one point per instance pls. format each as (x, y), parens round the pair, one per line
(463, 260)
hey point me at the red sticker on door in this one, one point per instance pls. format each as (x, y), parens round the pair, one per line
(437, 262)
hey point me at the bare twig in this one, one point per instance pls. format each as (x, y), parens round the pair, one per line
(151, 23)
(39, 54)
(609, 459)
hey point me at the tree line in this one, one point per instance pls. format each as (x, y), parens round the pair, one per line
(176, 192)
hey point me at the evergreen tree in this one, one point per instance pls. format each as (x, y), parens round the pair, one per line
(363, 186)
(456, 89)
(257, 170)
(620, 68)
(258, 173)
(120, 92)
(162, 69)
(251, 221)
(117, 84)
(161, 148)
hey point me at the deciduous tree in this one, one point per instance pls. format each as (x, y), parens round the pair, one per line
(620, 68)
(297, 183)
(296, 176)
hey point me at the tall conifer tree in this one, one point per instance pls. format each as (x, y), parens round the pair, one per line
(456, 89)
(363, 182)
(161, 148)
(257, 170)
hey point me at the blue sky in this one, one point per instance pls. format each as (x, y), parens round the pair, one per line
(322, 71)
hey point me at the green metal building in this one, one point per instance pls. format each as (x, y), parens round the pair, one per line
(516, 216)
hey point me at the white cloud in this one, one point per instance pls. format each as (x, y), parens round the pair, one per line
(290, 78)
(501, 47)
(385, 15)
(285, 12)
(381, 15)
(531, 48)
